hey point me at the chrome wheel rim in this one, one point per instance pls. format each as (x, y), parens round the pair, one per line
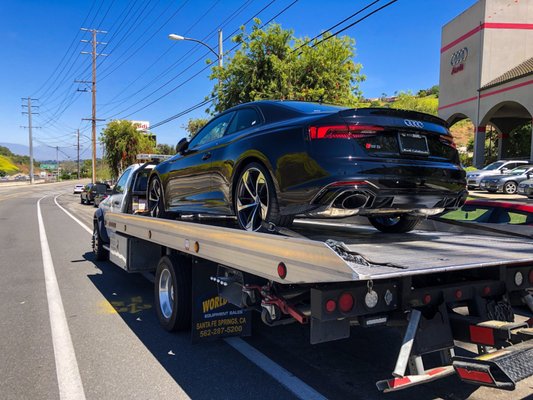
(154, 198)
(252, 199)
(166, 293)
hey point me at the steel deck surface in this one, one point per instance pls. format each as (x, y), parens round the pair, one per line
(418, 252)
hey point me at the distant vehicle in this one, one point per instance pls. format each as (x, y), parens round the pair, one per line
(507, 183)
(526, 187)
(99, 197)
(78, 188)
(90, 190)
(473, 178)
(493, 212)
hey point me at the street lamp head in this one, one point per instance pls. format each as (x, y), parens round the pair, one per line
(173, 36)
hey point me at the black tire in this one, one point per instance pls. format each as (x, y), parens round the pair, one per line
(81, 200)
(173, 293)
(492, 190)
(155, 196)
(510, 187)
(397, 224)
(100, 254)
(255, 180)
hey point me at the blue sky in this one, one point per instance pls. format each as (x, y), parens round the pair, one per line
(398, 48)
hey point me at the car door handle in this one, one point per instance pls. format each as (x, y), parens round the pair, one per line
(206, 156)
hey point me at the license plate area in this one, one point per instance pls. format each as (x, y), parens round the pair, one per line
(413, 143)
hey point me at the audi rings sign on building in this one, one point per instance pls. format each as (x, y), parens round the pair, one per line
(413, 124)
(459, 57)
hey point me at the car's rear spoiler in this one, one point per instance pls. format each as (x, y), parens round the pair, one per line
(392, 112)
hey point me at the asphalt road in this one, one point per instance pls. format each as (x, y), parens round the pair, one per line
(121, 352)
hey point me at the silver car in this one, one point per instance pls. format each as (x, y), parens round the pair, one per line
(507, 183)
(473, 178)
(526, 187)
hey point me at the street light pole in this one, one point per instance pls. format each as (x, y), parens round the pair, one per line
(219, 54)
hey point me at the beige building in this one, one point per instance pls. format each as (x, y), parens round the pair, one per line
(486, 70)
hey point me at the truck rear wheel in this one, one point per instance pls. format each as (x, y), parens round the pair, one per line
(100, 253)
(173, 293)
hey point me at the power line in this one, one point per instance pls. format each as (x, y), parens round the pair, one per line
(337, 24)
(354, 23)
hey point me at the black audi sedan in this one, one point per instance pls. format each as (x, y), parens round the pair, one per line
(270, 161)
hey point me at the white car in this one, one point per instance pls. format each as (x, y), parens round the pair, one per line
(78, 189)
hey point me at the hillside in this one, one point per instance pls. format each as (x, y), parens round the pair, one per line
(7, 166)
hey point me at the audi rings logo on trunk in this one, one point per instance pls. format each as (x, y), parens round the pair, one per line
(459, 57)
(413, 124)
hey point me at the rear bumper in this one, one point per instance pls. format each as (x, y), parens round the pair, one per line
(386, 194)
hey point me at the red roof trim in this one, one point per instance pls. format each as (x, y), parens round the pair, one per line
(486, 25)
(526, 83)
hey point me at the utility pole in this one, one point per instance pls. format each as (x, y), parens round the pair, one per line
(30, 113)
(93, 90)
(57, 163)
(78, 154)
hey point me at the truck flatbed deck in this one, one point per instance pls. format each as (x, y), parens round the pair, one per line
(328, 252)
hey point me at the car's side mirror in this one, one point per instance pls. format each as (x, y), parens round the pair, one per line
(182, 146)
(528, 175)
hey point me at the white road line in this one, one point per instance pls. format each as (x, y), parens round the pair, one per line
(68, 374)
(291, 382)
(295, 385)
(73, 217)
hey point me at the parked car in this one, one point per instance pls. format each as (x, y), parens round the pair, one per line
(270, 161)
(78, 188)
(506, 183)
(90, 190)
(473, 178)
(526, 187)
(99, 197)
(495, 212)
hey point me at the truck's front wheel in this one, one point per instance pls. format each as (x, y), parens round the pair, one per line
(173, 293)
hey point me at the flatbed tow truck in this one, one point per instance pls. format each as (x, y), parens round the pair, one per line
(439, 287)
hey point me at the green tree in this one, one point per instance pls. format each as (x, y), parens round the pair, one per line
(273, 64)
(163, 148)
(122, 143)
(194, 125)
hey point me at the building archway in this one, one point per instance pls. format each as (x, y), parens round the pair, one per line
(512, 121)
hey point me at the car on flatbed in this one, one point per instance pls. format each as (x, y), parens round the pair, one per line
(267, 162)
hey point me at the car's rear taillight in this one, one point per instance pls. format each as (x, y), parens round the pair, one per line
(448, 140)
(343, 131)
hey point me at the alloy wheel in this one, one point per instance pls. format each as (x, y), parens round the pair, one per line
(154, 198)
(252, 199)
(166, 294)
(510, 187)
